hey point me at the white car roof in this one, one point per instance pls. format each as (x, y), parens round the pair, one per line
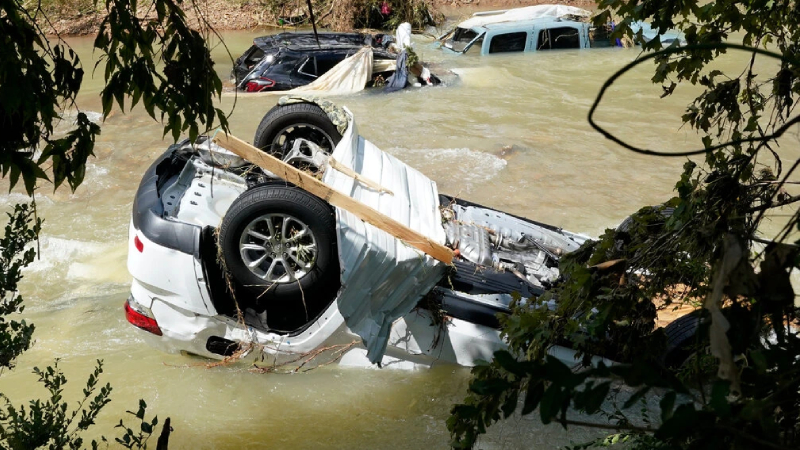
(383, 278)
(521, 14)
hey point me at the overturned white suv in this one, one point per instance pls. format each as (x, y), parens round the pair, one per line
(225, 255)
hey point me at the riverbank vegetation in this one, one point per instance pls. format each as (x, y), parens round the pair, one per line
(42, 79)
(735, 384)
(70, 17)
(83, 17)
(50, 422)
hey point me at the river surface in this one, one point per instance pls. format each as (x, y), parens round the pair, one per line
(510, 133)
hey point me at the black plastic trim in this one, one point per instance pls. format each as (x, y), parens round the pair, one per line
(148, 214)
(470, 278)
(473, 279)
(478, 313)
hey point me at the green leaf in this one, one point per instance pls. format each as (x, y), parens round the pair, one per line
(14, 178)
(508, 362)
(638, 395)
(551, 403)
(595, 397)
(142, 408)
(491, 386)
(510, 404)
(532, 397)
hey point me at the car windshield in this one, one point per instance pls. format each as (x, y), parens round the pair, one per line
(461, 38)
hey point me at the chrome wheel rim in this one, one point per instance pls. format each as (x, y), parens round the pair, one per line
(284, 140)
(278, 248)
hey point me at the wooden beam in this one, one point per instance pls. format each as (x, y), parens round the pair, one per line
(336, 165)
(334, 197)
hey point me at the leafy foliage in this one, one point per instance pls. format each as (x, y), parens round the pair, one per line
(39, 80)
(15, 337)
(45, 423)
(138, 439)
(380, 14)
(133, 49)
(735, 383)
(50, 423)
(68, 8)
(159, 61)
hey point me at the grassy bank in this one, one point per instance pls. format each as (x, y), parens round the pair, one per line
(82, 17)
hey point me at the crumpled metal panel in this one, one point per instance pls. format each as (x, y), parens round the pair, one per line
(382, 278)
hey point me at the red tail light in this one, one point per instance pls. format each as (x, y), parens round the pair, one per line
(140, 320)
(138, 244)
(259, 84)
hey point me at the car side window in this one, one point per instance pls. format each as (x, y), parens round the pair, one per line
(316, 66)
(327, 62)
(253, 56)
(309, 67)
(464, 35)
(475, 47)
(508, 42)
(558, 38)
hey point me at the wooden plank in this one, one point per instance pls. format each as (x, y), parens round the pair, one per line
(336, 165)
(334, 197)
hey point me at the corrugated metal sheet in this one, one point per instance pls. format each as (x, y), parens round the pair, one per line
(382, 278)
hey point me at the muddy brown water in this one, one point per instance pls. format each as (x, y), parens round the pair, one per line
(510, 133)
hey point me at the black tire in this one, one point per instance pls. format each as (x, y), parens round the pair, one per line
(682, 338)
(295, 274)
(666, 211)
(282, 124)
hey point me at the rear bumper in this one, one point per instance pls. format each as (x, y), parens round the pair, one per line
(147, 215)
(182, 331)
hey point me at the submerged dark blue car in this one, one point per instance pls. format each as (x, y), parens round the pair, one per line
(288, 60)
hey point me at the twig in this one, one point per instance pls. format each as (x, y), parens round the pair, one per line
(306, 357)
(607, 426)
(771, 204)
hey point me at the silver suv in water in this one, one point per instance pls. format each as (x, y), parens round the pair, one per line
(537, 28)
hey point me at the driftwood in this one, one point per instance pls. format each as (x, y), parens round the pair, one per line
(312, 185)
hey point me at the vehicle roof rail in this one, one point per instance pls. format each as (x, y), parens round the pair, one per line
(490, 13)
